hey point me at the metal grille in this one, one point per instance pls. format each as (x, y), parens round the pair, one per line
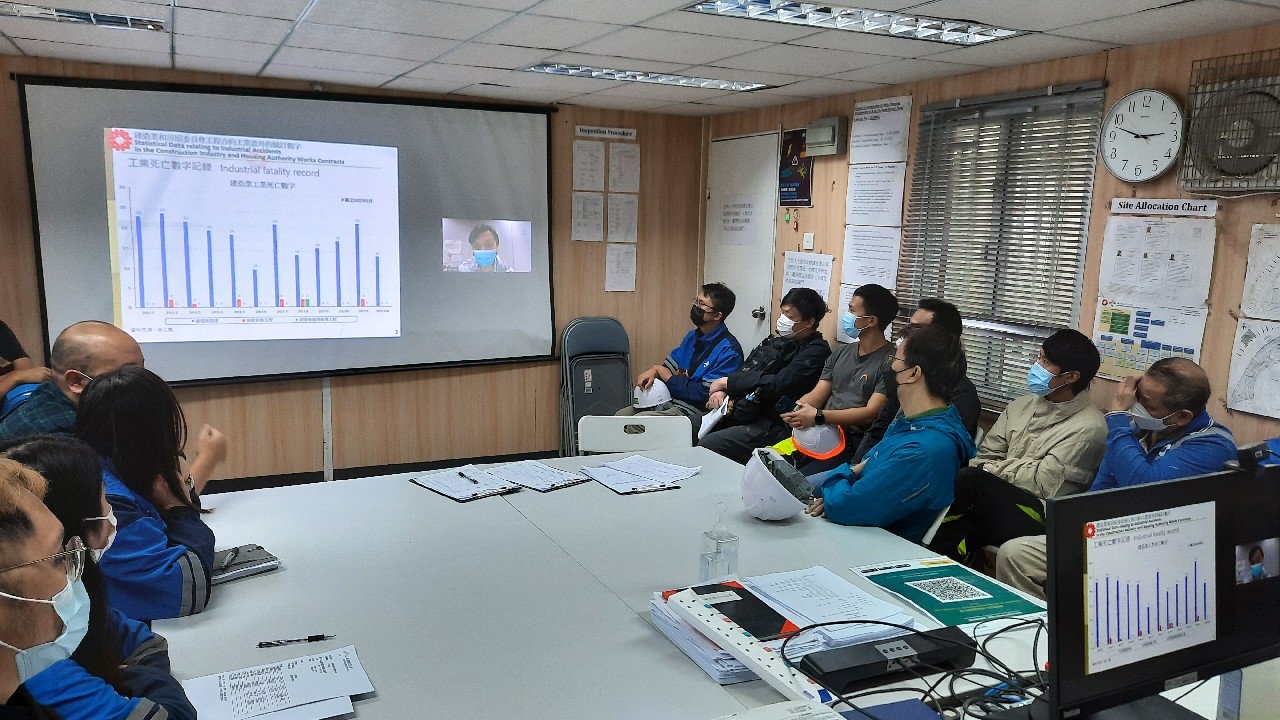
(1234, 134)
(997, 225)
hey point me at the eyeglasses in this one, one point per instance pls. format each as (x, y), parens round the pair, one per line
(72, 555)
(704, 308)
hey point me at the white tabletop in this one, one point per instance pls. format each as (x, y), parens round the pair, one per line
(525, 605)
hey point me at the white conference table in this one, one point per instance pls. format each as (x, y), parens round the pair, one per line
(526, 605)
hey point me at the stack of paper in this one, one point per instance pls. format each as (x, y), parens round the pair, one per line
(306, 688)
(536, 476)
(804, 597)
(465, 483)
(639, 474)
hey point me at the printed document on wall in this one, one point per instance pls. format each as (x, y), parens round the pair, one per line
(880, 130)
(1262, 280)
(1157, 261)
(1254, 381)
(624, 216)
(620, 267)
(588, 216)
(1132, 337)
(870, 255)
(738, 221)
(875, 194)
(588, 165)
(807, 270)
(624, 167)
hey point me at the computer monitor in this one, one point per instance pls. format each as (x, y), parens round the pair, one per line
(1155, 586)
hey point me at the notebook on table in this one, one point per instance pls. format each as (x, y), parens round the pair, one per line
(242, 561)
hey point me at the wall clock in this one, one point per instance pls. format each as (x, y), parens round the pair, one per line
(1142, 135)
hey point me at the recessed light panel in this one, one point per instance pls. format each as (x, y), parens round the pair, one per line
(80, 17)
(878, 22)
(641, 76)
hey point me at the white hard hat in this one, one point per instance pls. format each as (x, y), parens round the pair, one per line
(657, 397)
(772, 489)
(819, 441)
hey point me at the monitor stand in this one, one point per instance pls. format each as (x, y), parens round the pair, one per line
(1155, 707)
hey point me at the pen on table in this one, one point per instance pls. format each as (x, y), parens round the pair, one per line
(307, 639)
(230, 558)
(464, 476)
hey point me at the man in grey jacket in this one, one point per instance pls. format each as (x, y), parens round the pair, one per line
(1044, 444)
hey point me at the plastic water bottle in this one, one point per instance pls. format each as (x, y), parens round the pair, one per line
(719, 551)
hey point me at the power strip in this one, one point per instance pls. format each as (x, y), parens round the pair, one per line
(742, 645)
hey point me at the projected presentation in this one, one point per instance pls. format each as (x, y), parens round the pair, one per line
(1150, 585)
(222, 237)
(486, 245)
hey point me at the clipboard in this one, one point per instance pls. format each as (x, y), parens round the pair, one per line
(625, 483)
(464, 484)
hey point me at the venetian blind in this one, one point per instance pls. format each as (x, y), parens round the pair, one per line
(997, 224)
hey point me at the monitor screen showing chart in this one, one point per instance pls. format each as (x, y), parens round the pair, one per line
(1154, 586)
(249, 235)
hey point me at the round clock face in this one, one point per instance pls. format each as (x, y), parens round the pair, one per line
(1142, 135)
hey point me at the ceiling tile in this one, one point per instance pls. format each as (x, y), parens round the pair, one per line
(325, 75)
(801, 60)
(369, 42)
(619, 13)
(462, 74)
(614, 63)
(820, 87)
(306, 57)
(870, 43)
(231, 27)
(543, 81)
(8, 48)
(1174, 21)
(221, 48)
(416, 17)
(510, 5)
(546, 32)
(615, 102)
(57, 32)
(753, 100)
(755, 76)
(742, 28)
(502, 92)
(285, 9)
(670, 46)
(497, 56)
(218, 65)
(152, 11)
(654, 91)
(907, 70)
(92, 53)
(1022, 49)
(421, 85)
(1023, 15)
(695, 109)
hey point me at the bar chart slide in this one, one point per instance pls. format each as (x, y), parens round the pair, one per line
(1149, 584)
(218, 237)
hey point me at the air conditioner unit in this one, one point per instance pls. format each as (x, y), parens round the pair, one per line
(1233, 138)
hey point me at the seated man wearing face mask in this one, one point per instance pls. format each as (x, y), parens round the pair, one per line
(784, 365)
(484, 242)
(1157, 429)
(1044, 444)
(44, 609)
(707, 353)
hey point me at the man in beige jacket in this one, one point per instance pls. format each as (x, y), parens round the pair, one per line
(1044, 444)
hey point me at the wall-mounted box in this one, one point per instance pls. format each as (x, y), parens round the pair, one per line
(828, 136)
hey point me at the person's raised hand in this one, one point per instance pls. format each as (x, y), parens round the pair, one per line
(1126, 395)
(211, 446)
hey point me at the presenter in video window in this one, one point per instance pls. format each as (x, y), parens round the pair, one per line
(484, 251)
(1256, 571)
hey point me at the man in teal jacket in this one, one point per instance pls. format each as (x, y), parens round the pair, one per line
(909, 477)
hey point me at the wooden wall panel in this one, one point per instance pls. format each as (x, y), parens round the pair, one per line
(1166, 66)
(387, 418)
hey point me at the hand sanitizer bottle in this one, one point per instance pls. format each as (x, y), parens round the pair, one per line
(719, 551)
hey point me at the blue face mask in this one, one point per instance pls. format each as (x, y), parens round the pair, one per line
(1038, 379)
(485, 258)
(1256, 570)
(72, 606)
(849, 323)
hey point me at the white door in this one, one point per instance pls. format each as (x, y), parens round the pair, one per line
(742, 209)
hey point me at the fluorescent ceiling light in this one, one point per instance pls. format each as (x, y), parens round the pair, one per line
(119, 22)
(878, 22)
(641, 76)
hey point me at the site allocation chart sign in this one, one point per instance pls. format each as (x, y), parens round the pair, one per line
(1150, 585)
(219, 237)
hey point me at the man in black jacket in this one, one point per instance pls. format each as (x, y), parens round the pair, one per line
(785, 365)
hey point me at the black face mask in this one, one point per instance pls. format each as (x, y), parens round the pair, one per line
(696, 316)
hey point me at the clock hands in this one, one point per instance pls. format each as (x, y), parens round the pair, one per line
(1140, 136)
(1130, 132)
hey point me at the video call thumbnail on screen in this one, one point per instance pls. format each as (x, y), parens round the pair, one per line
(486, 245)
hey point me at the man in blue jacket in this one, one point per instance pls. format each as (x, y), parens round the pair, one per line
(707, 353)
(909, 477)
(1157, 429)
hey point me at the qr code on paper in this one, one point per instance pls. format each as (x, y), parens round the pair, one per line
(949, 590)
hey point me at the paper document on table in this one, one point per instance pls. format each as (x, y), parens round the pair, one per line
(465, 483)
(949, 592)
(652, 469)
(254, 691)
(819, 595)
(319, 710)
(625, 483)
(535, 475)
(713, 418)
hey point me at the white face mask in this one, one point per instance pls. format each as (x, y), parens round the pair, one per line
(786, 327)
(97, 553)
(1145, 420)
(72, 605)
